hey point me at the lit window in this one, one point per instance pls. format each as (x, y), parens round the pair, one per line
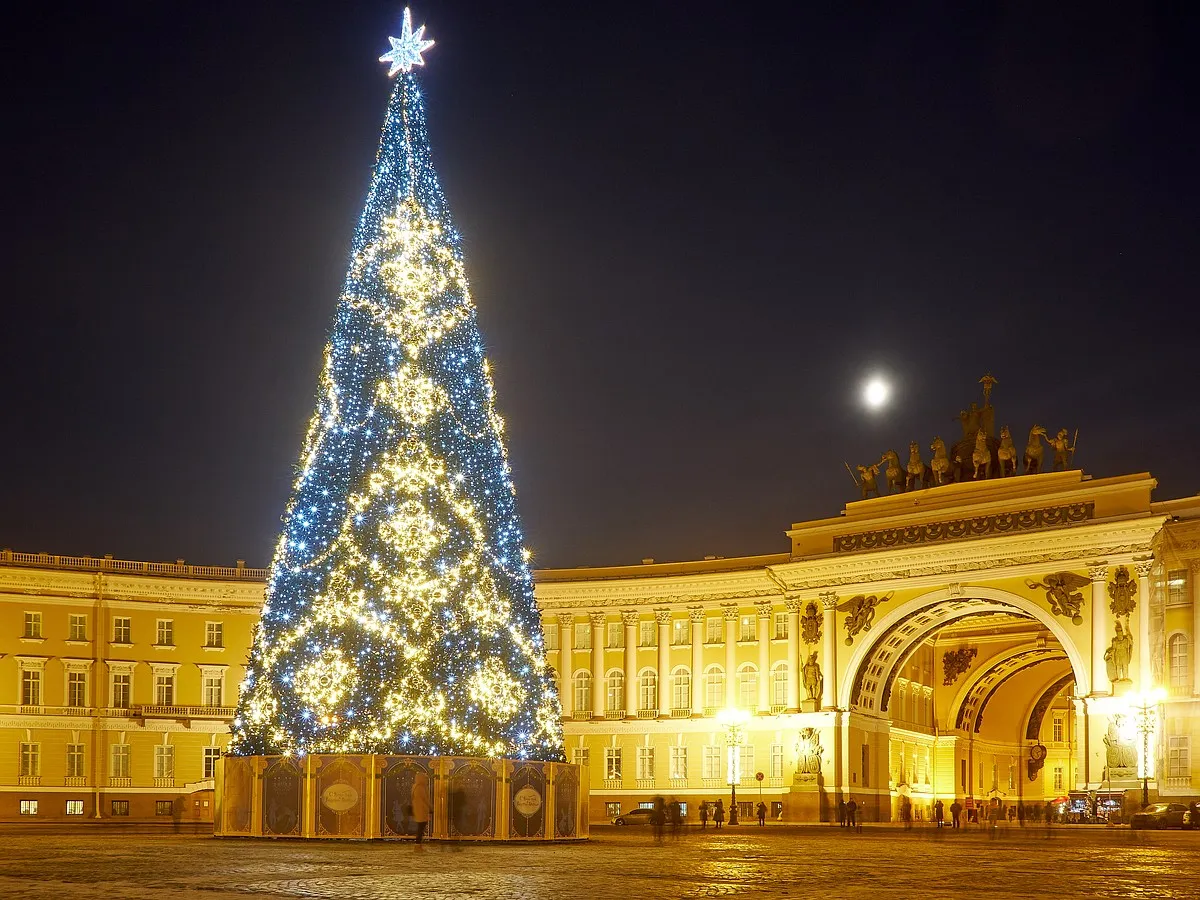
(119, 761)
(711, 767)
(681, 689)
(747, 686)
(583, 691)
(714, 634)
(165, 633)
(612, 763)
(550, 636)
(214, 689)
(29, 807)
(163, 807)
(75, 761)
(612, 808)
(1058, 778)
(164, 761)
(122, 687)
(781, 626)
(31, 687)
(214, 634)
(77, 628)
(777, 760)
(746, 768)
(648, 636)
(714, 687)
(1177, 587)
(1179, 756)
(580, 756)
(1056, 730)
(648, 690)
(779, 684)
(33, 625)
(74, 807)
(122, 630)
(679, 762)
(645, 763)
(1179, 670)
(616, 635)
(681, 632)
(120, 807)
(31, 760)
(748, 628)
(583, 637)
(211, 755)
(164, 689)
(615, 691)
(77, 689)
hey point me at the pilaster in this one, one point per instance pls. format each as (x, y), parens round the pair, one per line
(1145, 662)
(663, 618)
(1100, 682)
(697, 617)
(829, 602)
(764, 656)
(629, 618)
(793, 654)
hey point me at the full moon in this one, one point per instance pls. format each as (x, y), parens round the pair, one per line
(876, 392)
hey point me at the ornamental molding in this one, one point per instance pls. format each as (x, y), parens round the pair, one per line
(965, 529)
(56, 585)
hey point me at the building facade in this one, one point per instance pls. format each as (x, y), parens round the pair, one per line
(117, 684)
(1028, 638)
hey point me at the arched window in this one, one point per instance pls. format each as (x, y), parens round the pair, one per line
(747, 674)
(681, 688)
(779, 684)
(647, 689)
(1180, 670)
(583, 691)
(714, 687)
(614, 698)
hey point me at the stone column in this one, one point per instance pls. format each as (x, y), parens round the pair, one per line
(597, 620)
(1082, 743)
(793, 654)
(1145, 661)
(696, 615)
(566, 663)
(629, 618)
(663, 618)
(1100, 682)
(764, 656)
(730, 612)
(1194, 644)
(829, 601)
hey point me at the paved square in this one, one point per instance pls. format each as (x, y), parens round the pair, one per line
(775, 862)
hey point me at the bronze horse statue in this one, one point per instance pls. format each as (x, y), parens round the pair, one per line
(895, 474)
(1007, 454)
(940, 464)
(1033, 450)
(981, 457)
(915, 468)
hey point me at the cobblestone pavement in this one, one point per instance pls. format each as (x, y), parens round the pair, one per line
(626, 863)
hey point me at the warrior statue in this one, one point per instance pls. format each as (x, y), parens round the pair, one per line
(1118, 655)
(814, 681)
(915, 468)
(940, 464)
(895, 475)
(1064, 450)
(1033, 450)
(867, 480)
(1007, 454)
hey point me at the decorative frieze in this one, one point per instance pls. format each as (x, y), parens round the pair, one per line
(960, 529)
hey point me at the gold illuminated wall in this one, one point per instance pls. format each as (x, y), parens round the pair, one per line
(69, 628)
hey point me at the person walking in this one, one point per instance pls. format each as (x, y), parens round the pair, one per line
(658, 818)
(956, 814)
(842, 813)
(719, 813)
(939, 814)
(906, 813)
(852, 816)
(703, 814)
(762, 813)
(420, 806)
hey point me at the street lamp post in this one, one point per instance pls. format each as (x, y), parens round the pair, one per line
(734, 721)
(1147, 707)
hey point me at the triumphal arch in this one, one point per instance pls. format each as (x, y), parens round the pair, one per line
(997, 629)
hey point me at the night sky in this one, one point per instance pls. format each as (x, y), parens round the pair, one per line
(692, 231)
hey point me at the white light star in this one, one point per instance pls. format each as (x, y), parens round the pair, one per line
(407, 49)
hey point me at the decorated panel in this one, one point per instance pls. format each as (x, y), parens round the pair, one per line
(282, 802)
(471, 798)
(237, 799)
(341, 795)
(527, 800)
(400, 773)
(566, 800)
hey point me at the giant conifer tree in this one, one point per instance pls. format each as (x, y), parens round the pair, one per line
(399, 615)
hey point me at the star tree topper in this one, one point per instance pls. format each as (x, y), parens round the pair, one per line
(407, 49)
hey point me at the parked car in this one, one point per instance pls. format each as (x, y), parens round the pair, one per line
(1160, 815)
(639, 816)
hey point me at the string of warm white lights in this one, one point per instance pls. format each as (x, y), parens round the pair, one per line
(399, 613)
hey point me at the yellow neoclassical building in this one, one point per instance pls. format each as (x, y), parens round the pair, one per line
(117, 684)
(1030, 638)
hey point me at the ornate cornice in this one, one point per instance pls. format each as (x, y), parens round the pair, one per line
(964, 529)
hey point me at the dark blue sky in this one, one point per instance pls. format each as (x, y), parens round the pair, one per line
(691, 229)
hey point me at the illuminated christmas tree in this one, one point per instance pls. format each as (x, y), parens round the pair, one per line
(399, 615)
